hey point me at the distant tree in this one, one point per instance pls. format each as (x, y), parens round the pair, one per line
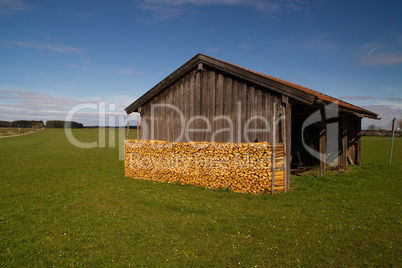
(371, 127)
(63, 124)
(25, 123)
(72, 124)
(54, 124)
(5, 124)
(19, 123)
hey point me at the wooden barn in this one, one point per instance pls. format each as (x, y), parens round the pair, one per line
(211, 100)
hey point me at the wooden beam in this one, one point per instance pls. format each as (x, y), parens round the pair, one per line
(198, 136)
(200, 67)
(273, 150)
(322, 142)
(138, 123)
(344, 133)
(287, 140)
(359, 142)
(128, 129)
(191, 99)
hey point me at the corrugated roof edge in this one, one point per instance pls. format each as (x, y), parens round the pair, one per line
(210, 60)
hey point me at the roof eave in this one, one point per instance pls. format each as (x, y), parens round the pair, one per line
(351, 109)
(162, 85)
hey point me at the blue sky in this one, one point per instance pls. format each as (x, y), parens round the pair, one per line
(55, 55)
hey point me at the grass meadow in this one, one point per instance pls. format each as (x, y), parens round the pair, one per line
(61, 205)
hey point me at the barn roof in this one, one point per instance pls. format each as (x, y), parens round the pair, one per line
(296, 92)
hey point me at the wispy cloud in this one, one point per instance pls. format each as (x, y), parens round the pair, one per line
(394, 99)
(125, 71)
(368, 54)
(31, 105)
(386, 112)
(386, 107)
(357, 98)
(13, 7)
(73, 66)
(322, 42)
(166, 9)
(28, 105)
(213, 49)
(382, 59)
(78, 67)
(379, 54)
(370, 100)
(245, 46)
(34, 100)
(44, 46)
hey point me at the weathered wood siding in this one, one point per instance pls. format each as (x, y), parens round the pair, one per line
(353, 125)
(206, 105)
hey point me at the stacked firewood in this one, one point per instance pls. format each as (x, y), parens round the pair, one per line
(241, 167)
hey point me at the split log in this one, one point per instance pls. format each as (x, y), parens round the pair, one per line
(242, 167)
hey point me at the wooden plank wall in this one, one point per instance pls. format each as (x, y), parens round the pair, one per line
(212, 106)
(349, 140)
(353, 134)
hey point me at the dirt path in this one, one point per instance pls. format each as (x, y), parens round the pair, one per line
(9, 136)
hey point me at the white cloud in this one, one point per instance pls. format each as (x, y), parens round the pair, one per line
(357, 98)
(392, 102)
(322, 42)
(125, 71)
(379, 54)
(245, 46)
(386, 112)
(213, 49)
(33, 100)
(382, 59)
(30, 105)
(386, 107)
(13, 6)
(368, 54)
(44, 46)
(166, 9)
(78, 67)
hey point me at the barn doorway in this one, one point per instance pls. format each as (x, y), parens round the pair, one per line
(310, 135)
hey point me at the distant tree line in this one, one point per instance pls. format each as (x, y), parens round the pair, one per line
(40, 124)
(398, 124)
(5, 124)
(63, 124)
(23, 124)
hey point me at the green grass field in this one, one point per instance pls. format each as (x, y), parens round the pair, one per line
(65, 206)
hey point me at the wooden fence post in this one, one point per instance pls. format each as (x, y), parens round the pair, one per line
(273, 150)
(127, 130)
(323, 149)
(344, 133)
(392, 142)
